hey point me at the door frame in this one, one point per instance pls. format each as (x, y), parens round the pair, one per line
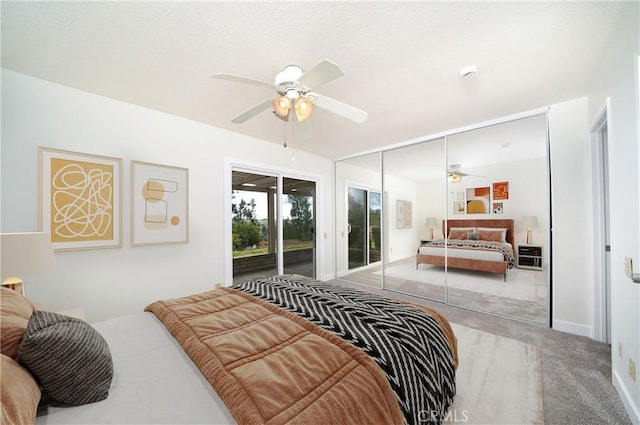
(231, 164)
(598, 237)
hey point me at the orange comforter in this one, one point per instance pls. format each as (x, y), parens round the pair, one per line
(271, 366)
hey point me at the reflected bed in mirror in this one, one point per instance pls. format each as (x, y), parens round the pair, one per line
(481, 245)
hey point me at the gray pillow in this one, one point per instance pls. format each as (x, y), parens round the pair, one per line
(68, 358)
(473, 236)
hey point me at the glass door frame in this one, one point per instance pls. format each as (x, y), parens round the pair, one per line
(231, 165)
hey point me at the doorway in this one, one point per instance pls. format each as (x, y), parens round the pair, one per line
(273, 225)
(602, 226)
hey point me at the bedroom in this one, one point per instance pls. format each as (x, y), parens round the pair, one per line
(38, 112)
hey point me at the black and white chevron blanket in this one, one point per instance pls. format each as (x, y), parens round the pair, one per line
(497, 246)
(406, 343)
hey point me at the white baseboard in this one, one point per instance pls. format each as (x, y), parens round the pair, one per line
(573, 328)
(627, 400)
(326, 277)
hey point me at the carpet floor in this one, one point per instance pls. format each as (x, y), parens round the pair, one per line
(522, 296)
(576, 371)
(498, 380)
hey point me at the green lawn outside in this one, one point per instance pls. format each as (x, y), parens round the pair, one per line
(261, 251)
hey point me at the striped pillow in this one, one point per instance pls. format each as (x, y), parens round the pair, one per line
(68, 357)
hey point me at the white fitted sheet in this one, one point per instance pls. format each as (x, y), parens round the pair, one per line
(154, 381)
(471, 254)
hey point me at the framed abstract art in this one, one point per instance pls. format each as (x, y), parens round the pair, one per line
(80, 199)
(159, 204)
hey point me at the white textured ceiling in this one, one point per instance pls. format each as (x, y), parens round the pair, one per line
(400, 59)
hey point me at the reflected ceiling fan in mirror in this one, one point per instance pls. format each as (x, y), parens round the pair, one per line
(295, 96)
(455, 175)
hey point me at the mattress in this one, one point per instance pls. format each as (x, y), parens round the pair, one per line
(470, 254)
(154, 381)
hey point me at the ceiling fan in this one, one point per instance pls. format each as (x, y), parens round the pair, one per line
(455, 174)
(295, 95)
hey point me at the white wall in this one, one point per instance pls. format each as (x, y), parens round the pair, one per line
(619, 81)
(570, 203)
(402, 243)
(108, 283)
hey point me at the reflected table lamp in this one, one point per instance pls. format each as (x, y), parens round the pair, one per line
(24, 254)
(530, 222)
(431, 223)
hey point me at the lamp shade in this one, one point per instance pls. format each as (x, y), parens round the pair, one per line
(25, 254)
(530, 222)
(431, 223)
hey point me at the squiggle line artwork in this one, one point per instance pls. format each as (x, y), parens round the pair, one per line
(82, 203)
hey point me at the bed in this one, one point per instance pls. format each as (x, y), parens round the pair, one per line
(491, 252)
(279, 350)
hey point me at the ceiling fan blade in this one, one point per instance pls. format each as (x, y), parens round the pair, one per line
(252, 112)
(337, 107)
(320, 74)
(239, 79)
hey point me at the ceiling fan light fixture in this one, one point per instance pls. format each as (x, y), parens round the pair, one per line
(281, 106)
(303, 107)
(455, 178)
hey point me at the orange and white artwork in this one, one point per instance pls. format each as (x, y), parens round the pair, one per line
(478, 200)
(500, 191)
(159, 204)
(79, 199)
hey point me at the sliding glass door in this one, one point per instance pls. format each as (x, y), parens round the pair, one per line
(364, 211)
(254, 226)
(298, 226)
(273, 225)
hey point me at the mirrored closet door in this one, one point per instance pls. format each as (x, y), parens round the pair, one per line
(498, 194)
(414, 178)
(465, 219)
(359, 231)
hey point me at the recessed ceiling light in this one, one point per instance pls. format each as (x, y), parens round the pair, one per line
(506, 145)
(468, 71)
